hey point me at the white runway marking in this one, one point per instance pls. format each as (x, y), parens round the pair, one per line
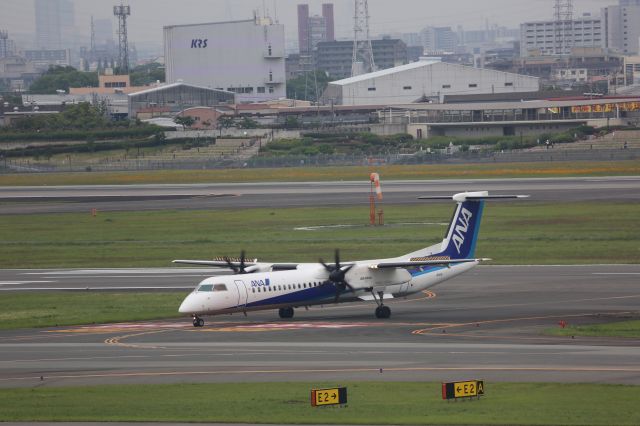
(22, 282)
(615, 273)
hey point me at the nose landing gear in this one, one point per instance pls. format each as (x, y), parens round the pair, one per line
(382, 311)
(197, 321)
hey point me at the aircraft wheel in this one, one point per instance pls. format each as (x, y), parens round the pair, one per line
(383, 312)
(285, 313)
(200, 322)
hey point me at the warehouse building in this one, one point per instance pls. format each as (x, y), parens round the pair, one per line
(170, 99)
(243, 57)
(428, 80)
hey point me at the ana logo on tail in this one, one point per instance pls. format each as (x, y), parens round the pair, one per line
(461, 228)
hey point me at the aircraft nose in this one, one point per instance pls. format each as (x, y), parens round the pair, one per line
(188, 305)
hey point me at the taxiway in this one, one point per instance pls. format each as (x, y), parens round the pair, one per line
(487, 324)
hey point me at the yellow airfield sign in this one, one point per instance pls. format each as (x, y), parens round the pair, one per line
(329, 396)
(465, 389)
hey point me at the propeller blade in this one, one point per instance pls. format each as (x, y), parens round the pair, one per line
(242, 265)
(231, 265)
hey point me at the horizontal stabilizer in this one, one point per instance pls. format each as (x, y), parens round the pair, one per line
(472, 196)
(416, 263)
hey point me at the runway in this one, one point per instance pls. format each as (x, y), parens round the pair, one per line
(44, 199)
(485, 324)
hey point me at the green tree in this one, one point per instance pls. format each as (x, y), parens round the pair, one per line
(248, 123)
(146, 74)
(297, 87)
(225, 121)
(186, 121)
(62, 78)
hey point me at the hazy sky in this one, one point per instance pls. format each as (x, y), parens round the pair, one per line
(149, 16)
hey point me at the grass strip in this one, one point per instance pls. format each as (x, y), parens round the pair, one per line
(613, 329)
(29, 310)
(353, 173)
(288, 403)
(511, 233)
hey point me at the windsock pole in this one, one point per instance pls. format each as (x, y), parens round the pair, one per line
(374, 178)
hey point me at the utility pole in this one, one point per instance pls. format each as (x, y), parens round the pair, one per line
(122, 12)
(362, 58)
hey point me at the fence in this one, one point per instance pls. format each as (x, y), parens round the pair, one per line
(13, 166)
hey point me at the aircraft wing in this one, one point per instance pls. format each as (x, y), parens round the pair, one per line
(426, 262)
(212, 263)
(249, 264)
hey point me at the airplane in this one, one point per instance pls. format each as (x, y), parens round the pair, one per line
(258, 286)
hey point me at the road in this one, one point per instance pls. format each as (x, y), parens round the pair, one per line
(43, 199)
(486, 324)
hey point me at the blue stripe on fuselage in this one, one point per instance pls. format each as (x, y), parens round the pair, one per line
(324, 291)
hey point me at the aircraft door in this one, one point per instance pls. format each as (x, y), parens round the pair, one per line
(242, 293)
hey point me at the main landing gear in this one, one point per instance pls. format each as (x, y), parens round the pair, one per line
(382, 311)
(197, 321)
(285, 313)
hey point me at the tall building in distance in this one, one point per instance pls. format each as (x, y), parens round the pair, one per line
(54, 24)
(439, 40)
(335, 57)
(7, 46)
(622, 26)
(314, 29)
(540, 38)
(103, 31)
(243, 57)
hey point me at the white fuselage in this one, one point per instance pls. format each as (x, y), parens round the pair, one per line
(307, 286)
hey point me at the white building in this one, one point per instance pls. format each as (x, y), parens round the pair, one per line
(244, 57)
(623, 27)
(423, 81)
(577, 75)
(540, 38)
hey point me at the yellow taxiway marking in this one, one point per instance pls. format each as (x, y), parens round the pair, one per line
(594, 369)
(430, 330)
(117, 340)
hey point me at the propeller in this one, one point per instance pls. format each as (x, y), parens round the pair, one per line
(241, 269)
(337, 275)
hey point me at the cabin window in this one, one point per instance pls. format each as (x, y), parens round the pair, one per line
(253, 289)
(304, 285)
(406, 88)
(258, 289)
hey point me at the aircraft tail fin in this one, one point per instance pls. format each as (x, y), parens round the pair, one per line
(462, 234)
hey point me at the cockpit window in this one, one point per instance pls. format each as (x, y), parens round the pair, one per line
(212, 287)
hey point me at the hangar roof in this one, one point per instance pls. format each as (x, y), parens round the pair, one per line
(408, 67)
(387, 71)
(173, 85)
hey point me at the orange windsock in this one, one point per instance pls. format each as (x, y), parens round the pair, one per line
(375, 178)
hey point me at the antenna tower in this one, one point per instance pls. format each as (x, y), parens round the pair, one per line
(362, 60)
(564, 26)
(93, 36)
(123, 60)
